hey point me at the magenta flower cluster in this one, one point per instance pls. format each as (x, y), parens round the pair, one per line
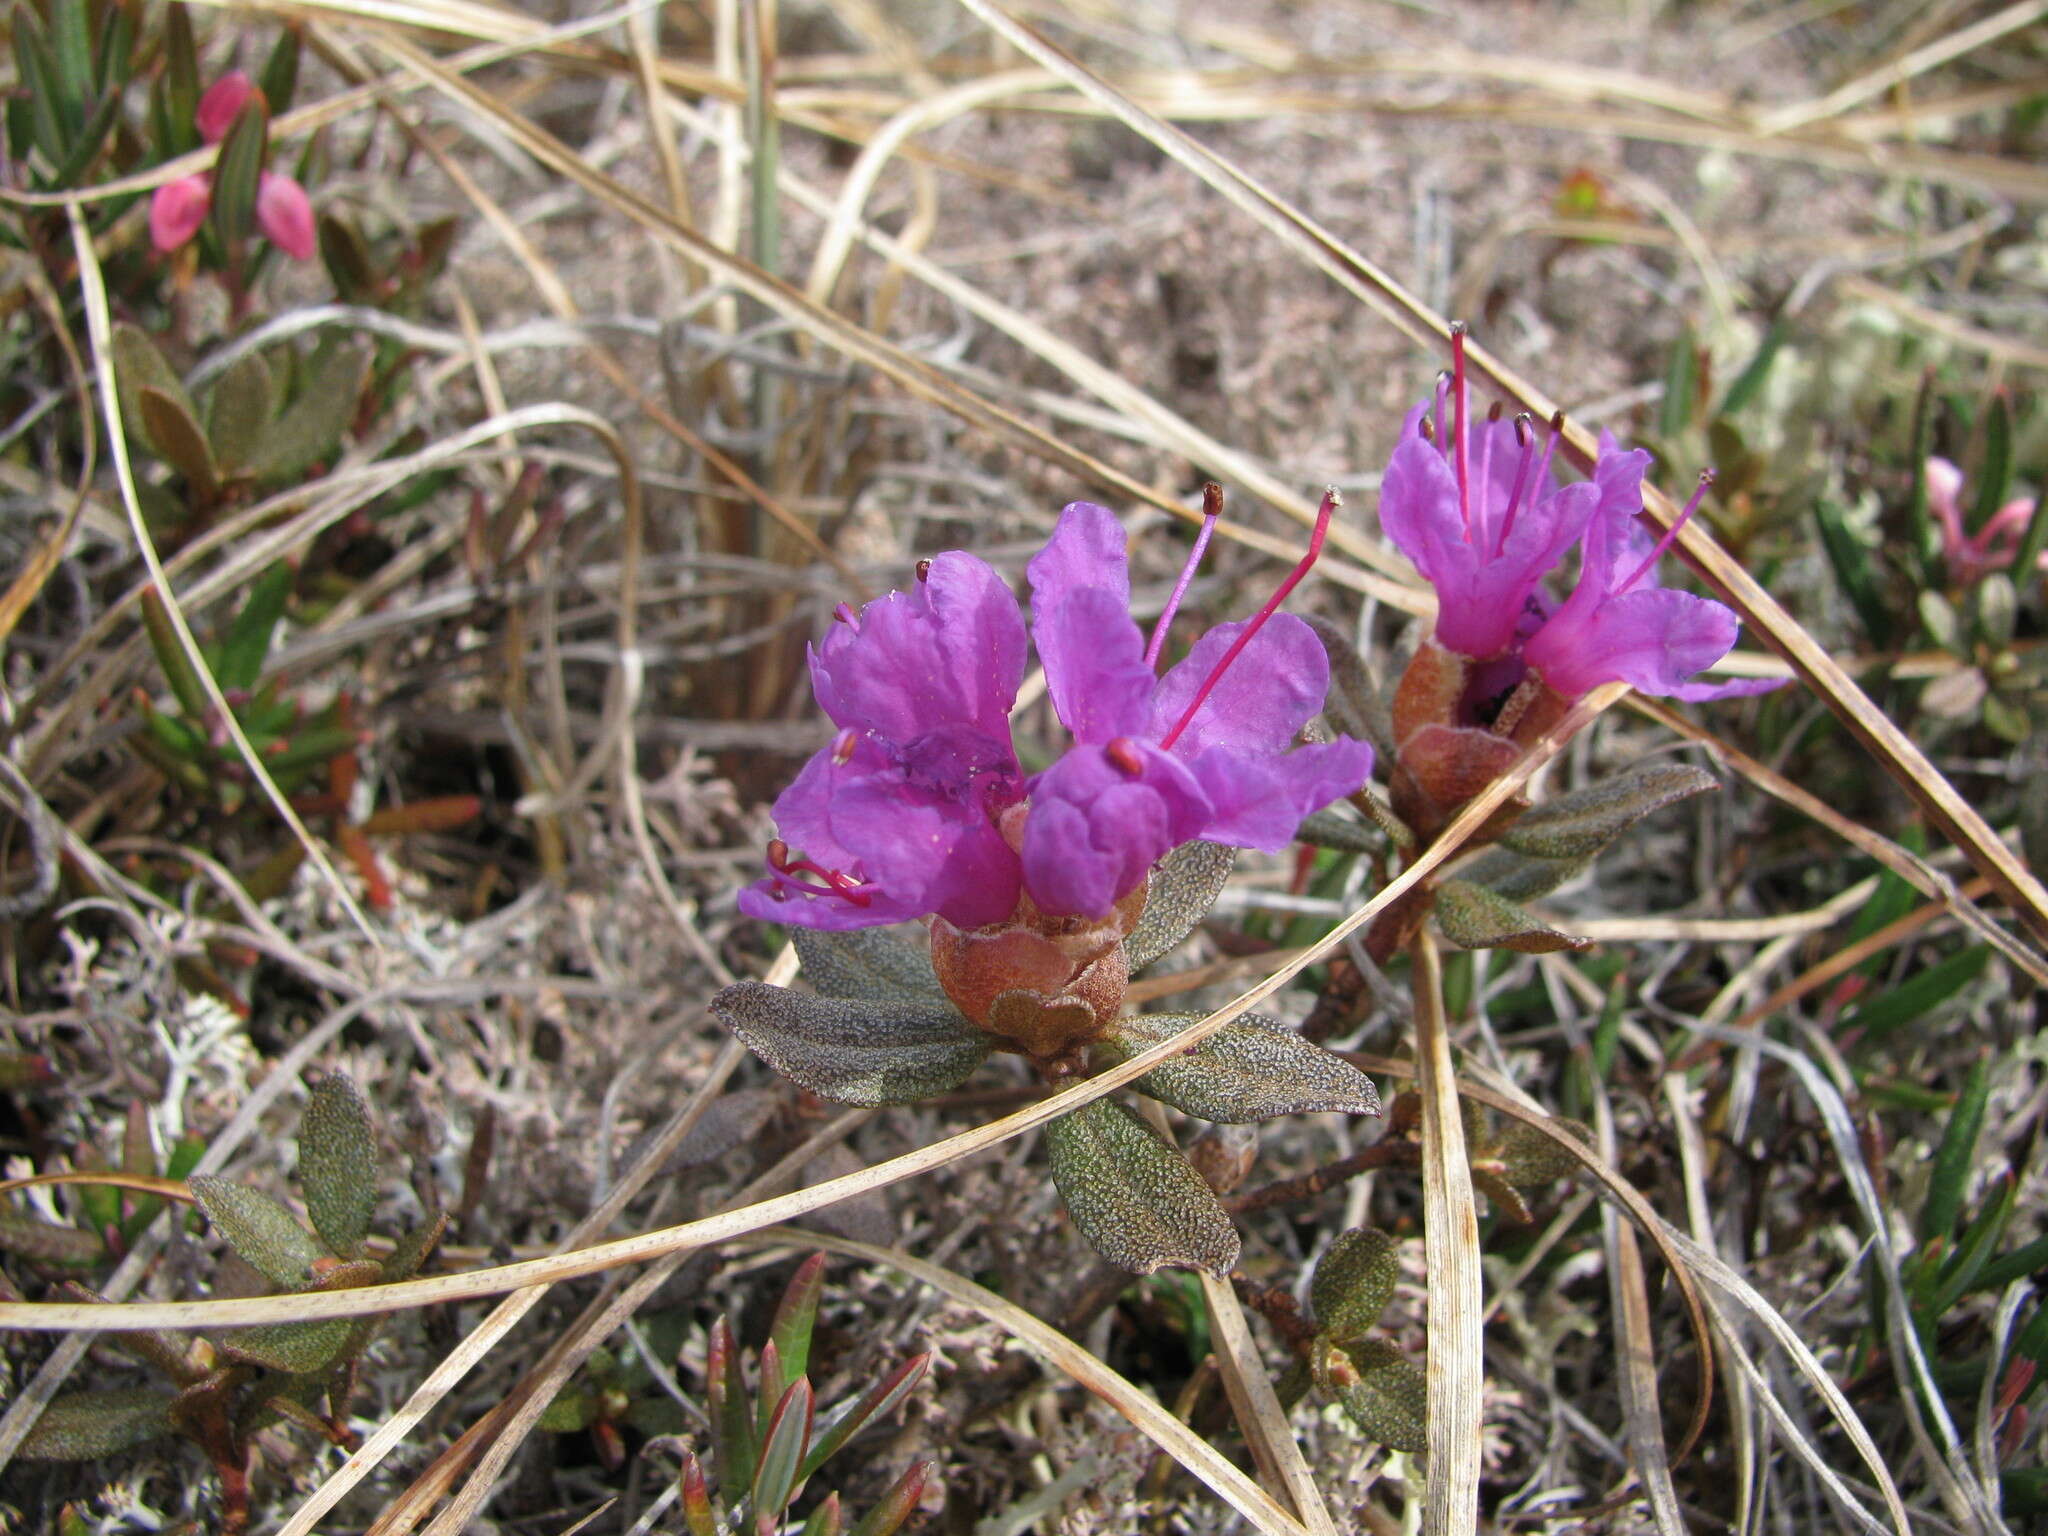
(919, 806)
(179, 208)
(1479, 511)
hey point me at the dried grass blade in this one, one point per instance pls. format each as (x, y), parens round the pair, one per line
(1063, 1354)
(70, 1317)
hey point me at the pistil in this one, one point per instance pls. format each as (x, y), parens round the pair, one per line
(838, 883)
(1331, 501)
(1526, 436)
(1460, 430)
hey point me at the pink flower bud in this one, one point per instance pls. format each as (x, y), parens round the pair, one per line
(284, 213)
(177, 210)
(222, 104)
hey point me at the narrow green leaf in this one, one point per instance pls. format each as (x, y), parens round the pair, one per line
(1921, 995)
(1580, 824)
(770, 1381)
(1251, 1069)
(1850, 560)
(2000, 1272)
(854, 1052)
(898, 1504)
(1133, 1197)
(1179, 892)
(414, 1249)
(797, 1314)
(338, 1164)
(732, 1417)
(237, 172)
(1353, 1283)
(1956, 1154)
(1963, 1274)
(1473, 917)
(262, 1231)
(1926, 537)
(840, 1425)
(1994, 475)
(698, 1514)
(2032, 542)
(782, 1454)
(114, 59)
(1681, 387)
(46, 1243)
(280, 77)
(825, 1519)
(71, 47)
(247, 642)
(1756, 372)
(313, 744)
(89, 140)
(37, 66)
(181, 81)
(175, 434)
(1329, 829)
(85, 1426)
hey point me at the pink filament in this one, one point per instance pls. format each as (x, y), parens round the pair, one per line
(1650, 560)
(1212, 508)
(838, 884)
(1459, 429)
(1331, 501)
(1527, 438)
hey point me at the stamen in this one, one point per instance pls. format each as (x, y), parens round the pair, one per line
(1525, 434)
(1443, 385)
(848, 617)
(1212, 508)
(843, 745)
(1485, 480)
(1459, 429)
(924, 570)
(1331, 501)
(838, 884)
(1123, 756)
(1671, 533)
(1428, 430)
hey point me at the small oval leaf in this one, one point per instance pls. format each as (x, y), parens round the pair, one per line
(297, 1349)
(1134, 1198)
(869, 963)
(854, 1052)
(1353, 1282)
(1578, 825)
(338, 1163)
(1182, 888)
(259, 1229)
(84, 1426)
(1381, 1388)
(1251, 1069)
(1472, 917)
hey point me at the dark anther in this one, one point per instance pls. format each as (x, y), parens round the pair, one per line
(924, 570)
(1123, 756)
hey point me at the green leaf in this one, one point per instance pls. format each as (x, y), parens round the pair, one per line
(1920, 996)
(91, 137)
(1580, 824)
(1963, 1272)
(732, 1420)
(1473, 917)
(174, 433)
(825, 1519)
(311, 427)
(1329, 829)
(1994, 475)
(1253, 1068)
(2034, 540)
(36, 64)
(46, 1243)
(1681, 387)
(782, 1454)
(572, 1409)
(1925, 536)
(238, 170)
(181, 77)
(261, 1230)
(298, 1349)
(868, 963)
(1756, 372)
(414, 1249)
(1529, 1158)
(1850, 560)
(898, 1504)
(1353, 1283)
(1381, 1388)
(338, 1166)
(834, 1429)
(797, 1314)
(280, 77)
(1135, 1198)
(85, 1426)
(247, 643)
(1956, 1155)
(854, 1052)
(698, 1514)
(237, 413)
(1179, 892)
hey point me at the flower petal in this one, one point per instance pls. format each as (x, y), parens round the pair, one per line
(1095, 829)
(1650, 638)
(950, 652)
(177, 209)
(1258, 801)
(1274, 686)
(222, 104)
(285, 215)
(927, 852)
(1095, 669)
(1087, 549)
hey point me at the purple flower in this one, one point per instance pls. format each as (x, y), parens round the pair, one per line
(1619, 625)
(919, 807)
(1994, 547)
(1480, 514)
